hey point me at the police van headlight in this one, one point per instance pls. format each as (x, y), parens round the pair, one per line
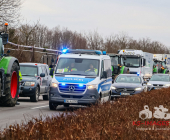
(92, 86)
(167, 85)
(54, 85)
(138, 89)
(113, 87)
(30, 84)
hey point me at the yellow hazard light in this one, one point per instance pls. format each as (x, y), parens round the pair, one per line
(123, 50)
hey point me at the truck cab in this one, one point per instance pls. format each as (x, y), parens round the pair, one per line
(138, 62)
(81, 77)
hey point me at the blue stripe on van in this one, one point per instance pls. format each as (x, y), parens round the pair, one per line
(108, 80)
(74, 80)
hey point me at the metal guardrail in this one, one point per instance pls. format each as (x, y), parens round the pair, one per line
(33, 47)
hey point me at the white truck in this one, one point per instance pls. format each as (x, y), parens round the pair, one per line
(138, 62)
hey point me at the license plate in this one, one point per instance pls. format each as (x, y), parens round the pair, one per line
(124, 93)
(70, 101)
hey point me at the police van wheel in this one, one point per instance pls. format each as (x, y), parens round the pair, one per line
(110, 97)
(52, 106)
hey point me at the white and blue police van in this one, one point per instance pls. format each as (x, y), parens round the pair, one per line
(81, 77)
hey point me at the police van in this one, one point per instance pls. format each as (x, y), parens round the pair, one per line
(81, 77)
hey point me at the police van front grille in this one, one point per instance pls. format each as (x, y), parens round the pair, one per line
(128, 90)
(69, 96)
(72, 88)
(157, 85)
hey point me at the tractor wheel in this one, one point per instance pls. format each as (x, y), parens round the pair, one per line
(11, 87)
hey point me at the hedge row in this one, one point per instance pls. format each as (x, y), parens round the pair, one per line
(108, 121)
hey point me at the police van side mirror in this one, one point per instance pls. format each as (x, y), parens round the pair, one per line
(104, 74)
(51, 72)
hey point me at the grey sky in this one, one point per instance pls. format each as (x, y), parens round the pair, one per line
(137, 18)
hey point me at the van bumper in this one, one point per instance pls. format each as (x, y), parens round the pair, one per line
(89, 97)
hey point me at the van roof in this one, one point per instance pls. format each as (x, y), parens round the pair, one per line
(84, 56)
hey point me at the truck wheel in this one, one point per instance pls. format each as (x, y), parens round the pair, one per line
(66, 105)
(11, 87)
(35, 97)
(52, 106)
(46, 97)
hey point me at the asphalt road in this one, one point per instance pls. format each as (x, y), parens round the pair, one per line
(26, 110)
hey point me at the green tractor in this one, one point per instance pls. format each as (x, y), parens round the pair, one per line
(160, 67)
(9, 74)
(117, 65)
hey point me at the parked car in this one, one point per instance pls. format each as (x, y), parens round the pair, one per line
(158, 81)
(35, 81)
(128, 84)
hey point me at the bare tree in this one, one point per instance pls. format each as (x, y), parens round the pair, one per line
(9, 11)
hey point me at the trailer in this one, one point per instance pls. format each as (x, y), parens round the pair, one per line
(138, 62)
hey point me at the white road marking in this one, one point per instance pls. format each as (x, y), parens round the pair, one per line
(39, 107)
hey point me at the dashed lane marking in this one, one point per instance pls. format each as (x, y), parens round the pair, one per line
(40, 107)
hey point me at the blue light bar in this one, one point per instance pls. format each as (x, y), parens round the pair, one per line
(138, 74)
(63, 84)
(104, 52)
(80, 85)
(98, 52)
(64, 50)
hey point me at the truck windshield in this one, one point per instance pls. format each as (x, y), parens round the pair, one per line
(164, 78)
(163, 64)
(114, 60)
(132, 62)
(128, 79)
(78, 66)
(28, 70)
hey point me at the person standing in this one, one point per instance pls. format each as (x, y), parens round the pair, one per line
(20, 79)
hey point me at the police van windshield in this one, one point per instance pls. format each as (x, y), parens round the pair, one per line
(132, 62)
(78, 66)
(28, 70)
(128, 79)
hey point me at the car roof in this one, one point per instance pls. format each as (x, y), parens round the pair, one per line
(32, 64)
(129, 75)
(160, 74)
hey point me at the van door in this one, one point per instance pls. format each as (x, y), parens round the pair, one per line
(41, 79)
(106, 82)
(45, 79)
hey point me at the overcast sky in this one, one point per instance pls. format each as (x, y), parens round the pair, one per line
(137, 18)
